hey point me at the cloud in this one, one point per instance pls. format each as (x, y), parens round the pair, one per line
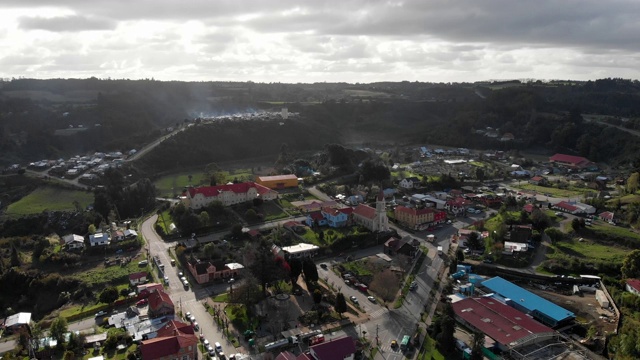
(69, 23)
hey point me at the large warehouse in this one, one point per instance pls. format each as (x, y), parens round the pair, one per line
(523, 300)
(510, 328)
(278, 181)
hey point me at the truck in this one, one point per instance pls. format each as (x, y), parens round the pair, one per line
(439, 250)
(291, 340)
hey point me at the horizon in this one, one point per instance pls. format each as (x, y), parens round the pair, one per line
(330, 41)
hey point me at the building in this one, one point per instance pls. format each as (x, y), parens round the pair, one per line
(523, 300)
(602, 299)
(373, 219)
(335, 349)
(508, 327)
(99, 239)
(73, 241)
(278, 181)
(419, 219)
(175, 340)
(538, 180)
(633, 286)
(138, 278)
(230, 194)
(331, 217)
(160, 304)
(130, 234)
(207, 271)
(607, 216)
(405, 246)
(570, 161)
(409, 183)
(15, 322)
(300, 251)
(574, 207)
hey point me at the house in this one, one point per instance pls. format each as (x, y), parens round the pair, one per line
(144, 290)
(530, 208)
(607, 216)
(278, 181)
(409, 183)
(117, 235)
(207, 271)
(374, 219)
(405, 246)
(317, 206)
(160, 304)
(354, 200)
(285, 355)
(332, 217)
(457, 205)
(570, 161)
(99, 239)
(175, 340)
(514, 247)
(419, 219)
(15, 322)
(519, 234)
(138, 278)
(574, 207)
(73, 241)
(538, 180)
(633, 286)
(229, 194)
(300, 250)
(507, 137)
(336, 349)
(130, 234)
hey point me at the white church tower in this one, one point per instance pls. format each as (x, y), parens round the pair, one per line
(380, 221)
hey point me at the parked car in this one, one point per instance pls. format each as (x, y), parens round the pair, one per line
(142, 302)
(353, 299)
(372, 299)
(143, 262)
(101, 313)
(324, 266)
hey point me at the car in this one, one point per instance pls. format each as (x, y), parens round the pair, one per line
(142, 302)
(143, 262)
(173, 262)
(394, 343)
(185, 284)
(183, 279)
(187, 315)
(211, 351)
(202, 338)
(324, 266)
(371, 298)
(487, 261)
(559, 214)
(192, 318)
(449, 222)
(196, 327)
(166, 279)
(218, 347)
(353, 299)
(101, 313)
(180, 274)
(206, 343)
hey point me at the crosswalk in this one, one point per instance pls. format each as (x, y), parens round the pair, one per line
(378, 313)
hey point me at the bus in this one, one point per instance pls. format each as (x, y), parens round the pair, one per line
(404, 345)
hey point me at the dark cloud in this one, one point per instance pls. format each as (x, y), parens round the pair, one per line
(70, 23)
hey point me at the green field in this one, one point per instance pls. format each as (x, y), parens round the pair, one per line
(600, 227)
(627, 199)
(49, 198)
(590, 250)
(553, 192)
(171, 185)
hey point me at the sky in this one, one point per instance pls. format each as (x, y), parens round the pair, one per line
(320, 41)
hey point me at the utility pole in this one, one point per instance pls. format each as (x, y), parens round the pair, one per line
(377, 338)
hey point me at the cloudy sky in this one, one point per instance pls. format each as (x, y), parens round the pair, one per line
(315, 40)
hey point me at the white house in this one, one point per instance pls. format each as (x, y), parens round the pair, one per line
(410, 182)
(99, 239)
(374, 219)
(130, 234)
(633, 286)
(73, 241)
(230, 194)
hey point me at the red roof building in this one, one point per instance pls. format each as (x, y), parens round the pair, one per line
(175, 340)
(207, 271)
(336, 349)
(285, 355)
(606, 216)
(633, 286)
(160, 304)
(419, 219)
(509, 327)
(566, 207)
(364, 211)
(138, 278)
(575, 162)
(229, 194)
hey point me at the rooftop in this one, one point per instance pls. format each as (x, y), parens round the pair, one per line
(302, 247)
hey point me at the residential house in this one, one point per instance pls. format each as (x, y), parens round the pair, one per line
(409, 183)
(229, 194)
(507, 137)
(406, 246)
(130, 234)
(354, 200)
(317, 206)
(138, 278)
(73, 241)
(117, 235)
(160, 304)
(538, 180)
(419, 219)
(15, 322)
(374, 219)
(607, 216)
(285, 355)
(175, 340)
(332, 217)
(336, 349)
(99, 239)
(144, 290)
(530, 208)
(278, 181)
(300, 250)
(519, 233)
(633, 286)
(574, 207)
(457, 206)
(570, 161)
(511, 248)
(207, 271)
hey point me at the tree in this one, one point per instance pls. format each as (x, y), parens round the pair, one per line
(480, 174)
(477, 345)
(341, 304)
(58, 329)
(459, 255)
(317, 296)
(92, 229)
(296, 269)
(575, 224)
(474, 241)
(310, 270)
(109, 295)
(15, 256)
(445, 338)
(236, 231)
(631, 265)
(210, 250)
(248, 293)
(632, 182)
(204, 218)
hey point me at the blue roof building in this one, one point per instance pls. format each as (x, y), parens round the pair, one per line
(541, 309)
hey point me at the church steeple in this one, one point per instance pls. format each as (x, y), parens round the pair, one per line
(381, 221)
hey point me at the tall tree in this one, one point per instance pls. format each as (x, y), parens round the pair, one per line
(58, 329)
(631, 265)
(109, 295)
(477, 345)
(632, 182)
(341, 304)
(310, 270)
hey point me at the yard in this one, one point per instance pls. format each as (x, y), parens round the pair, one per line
(49, 198)
(624, 200)
(587, 249)
(554, 192)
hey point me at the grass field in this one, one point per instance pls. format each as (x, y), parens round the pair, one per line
(627, 199)
(173, 184)
(49, 198)
(554, 192)
(599, 227)
(590, 250)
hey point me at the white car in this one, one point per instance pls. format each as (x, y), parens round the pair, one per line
(206, 343)
(371, 298)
